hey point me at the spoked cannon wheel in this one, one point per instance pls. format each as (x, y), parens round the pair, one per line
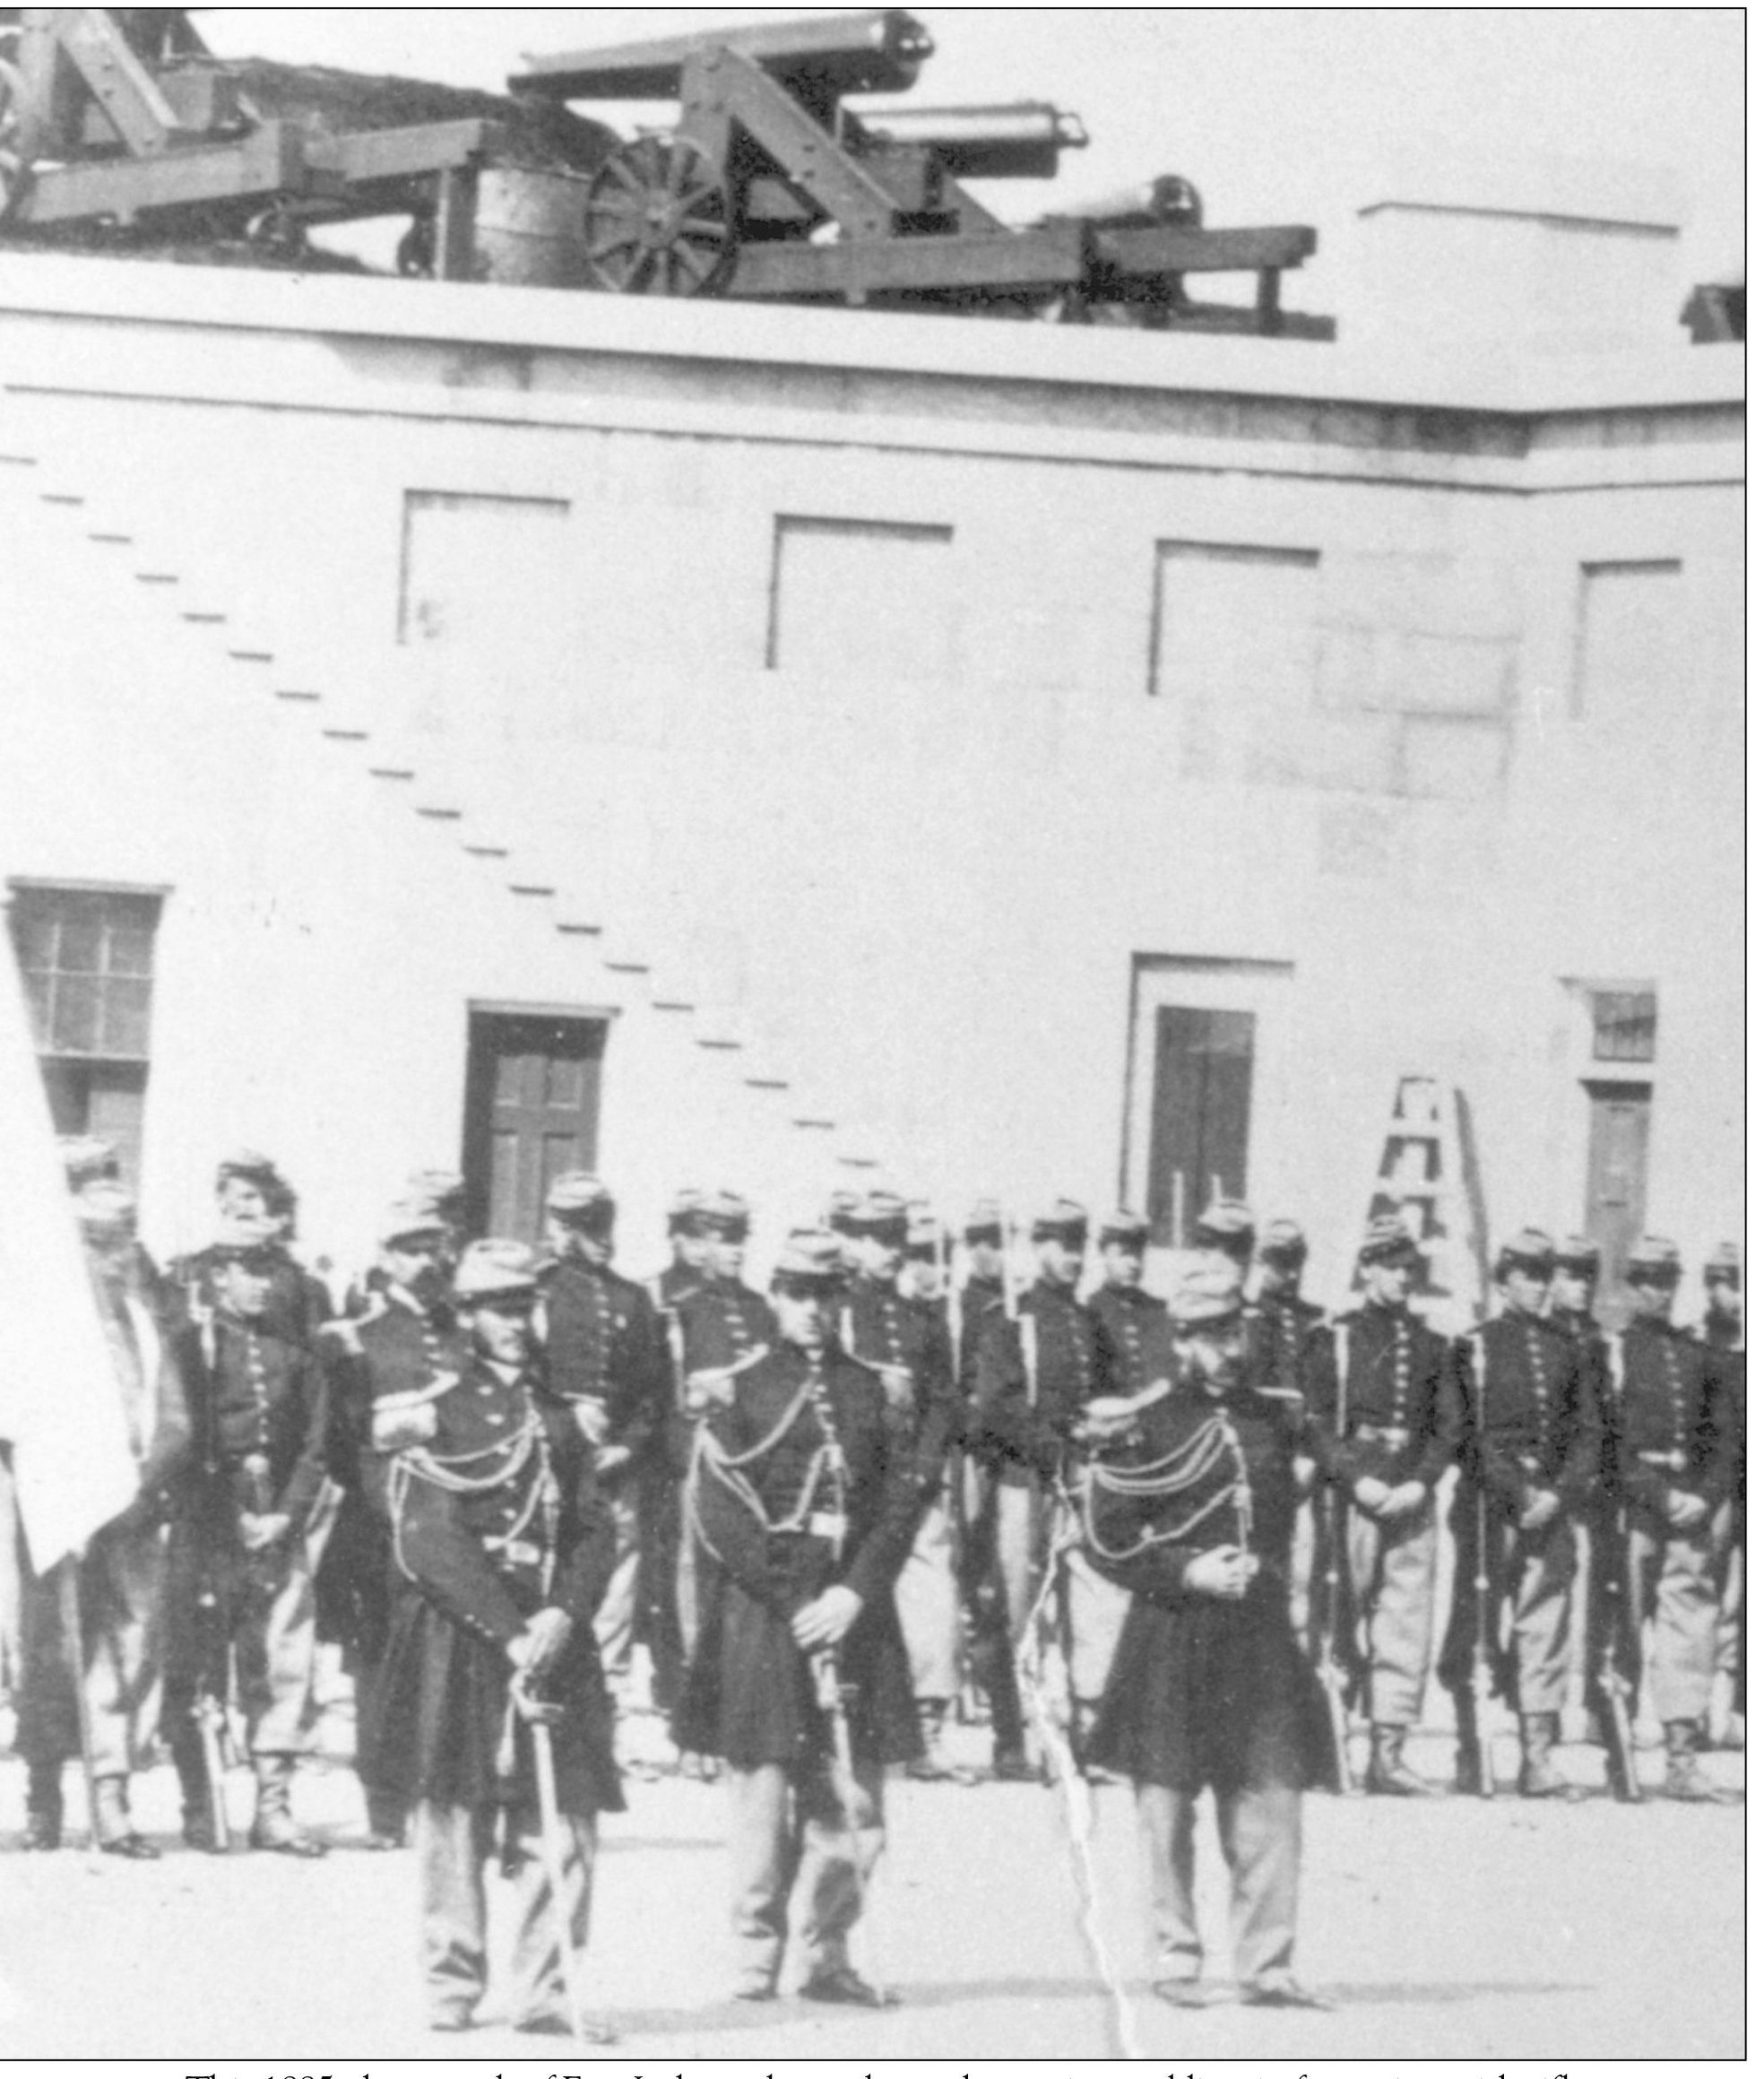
(659, 221)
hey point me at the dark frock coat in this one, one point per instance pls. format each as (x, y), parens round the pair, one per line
(749, 1692)
(436, 1711)
(1206, 1690)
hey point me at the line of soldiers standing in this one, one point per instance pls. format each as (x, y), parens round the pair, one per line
(270, 1436)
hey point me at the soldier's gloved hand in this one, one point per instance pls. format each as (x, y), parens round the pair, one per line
(258, 1533)
(530, 1704)
(1403, 1499)
(537, 1649)
(1539, 1507)
(612, 1458)
(1224, 1572)
(896, 1385)
(1684, 1510)
(825, 1621)
(591, 1419)
(1371, 1495)
(706, 1390)
(1304, 1476)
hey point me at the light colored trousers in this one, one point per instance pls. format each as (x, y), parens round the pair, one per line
(616, 1620)
(274, 1654)
(452, 1843)
(798, 1857)
(1674, 1588)
(1537, 1569)
(122, 1610)
(930, 1605)
(1096, 1611)
(1391, 1568)
(1260, 1834)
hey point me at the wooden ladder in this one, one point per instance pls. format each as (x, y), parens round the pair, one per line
(1425, 1173)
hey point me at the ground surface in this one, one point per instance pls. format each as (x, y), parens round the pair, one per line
(1502, 1930)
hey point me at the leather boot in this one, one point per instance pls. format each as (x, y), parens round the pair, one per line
(112, 1825)
(273, 1826)
(932, 1765)
(1388, 1774)
(42, 1807)
(1539, 1776)
(1685, 1779)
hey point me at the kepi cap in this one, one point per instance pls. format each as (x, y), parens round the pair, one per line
(1132, 1228)
(1655, 1258)
(725, 1213)
(441, 1187)
(810, 1256)
(493, 1267)
(1283, 1240)
(1387, 1238)
(415, 1215)
(579, 1197)
(1578, 1253)
(879, 1213)
(1530, 1249)
(1724, 1266)
(683, 1209)
(1229, 1221)
(1065, 1220)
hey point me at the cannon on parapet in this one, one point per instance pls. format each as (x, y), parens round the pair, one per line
(769, 185)
(120, 122)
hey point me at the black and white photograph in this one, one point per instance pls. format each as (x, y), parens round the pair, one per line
(872, 1036)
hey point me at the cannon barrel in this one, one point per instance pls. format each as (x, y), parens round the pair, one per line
(876, 52)
(1165, 199)
(1014, 141)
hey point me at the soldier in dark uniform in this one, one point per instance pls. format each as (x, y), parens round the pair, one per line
(260, 1413)
(1675, 1455)
(605, 1357)
(1600, 1582)
(982, 1296)
(1387, 1404)
(1724, 1337)
(1530, 1462)
(804, 1494)
(252, 1203)
(1133, 1344)
(122, 1572)
(714, 1332)
(909, 1351)
(1190, 1510)
(1288, 1346)
(659, 1502)
(1034, 1376)
(387, 1368)
(504, 1547)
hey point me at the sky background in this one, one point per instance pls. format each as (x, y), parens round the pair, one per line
(1279, 116)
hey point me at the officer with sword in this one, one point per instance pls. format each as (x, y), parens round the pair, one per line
(490, 1721)
(803, 1497)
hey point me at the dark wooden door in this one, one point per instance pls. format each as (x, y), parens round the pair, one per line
(532, 1108)
(1616, 1179)
(1201, 1078)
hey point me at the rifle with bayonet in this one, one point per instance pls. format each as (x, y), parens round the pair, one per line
(1330, 1613)
(1481, 1688)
